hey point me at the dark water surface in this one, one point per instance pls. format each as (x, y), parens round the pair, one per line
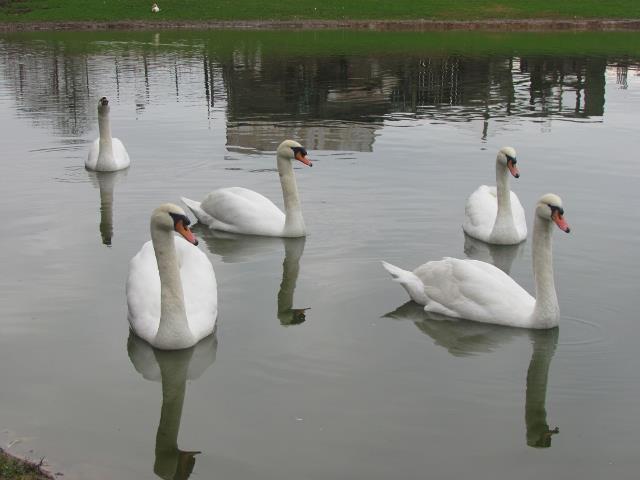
(402, 127)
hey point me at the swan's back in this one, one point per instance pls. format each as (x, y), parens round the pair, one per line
(481, 210)
(200, 288)
(476, 291)
(198, 284)
(120, 156)
(240, 210)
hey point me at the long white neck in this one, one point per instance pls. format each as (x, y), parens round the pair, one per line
(106, 160)
(503, 225)
(546, 313)
(173, 331)
(294, 223)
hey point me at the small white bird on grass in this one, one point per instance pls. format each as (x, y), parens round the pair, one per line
(155, 8)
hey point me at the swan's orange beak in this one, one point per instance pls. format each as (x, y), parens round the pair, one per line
(513, 169)
(303, 158)
(186, 232)
(560, 221)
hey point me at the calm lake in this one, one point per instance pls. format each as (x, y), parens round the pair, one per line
(402, 128)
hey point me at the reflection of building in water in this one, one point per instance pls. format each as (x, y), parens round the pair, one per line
(327, 102)
(340, 100)
(265, 136)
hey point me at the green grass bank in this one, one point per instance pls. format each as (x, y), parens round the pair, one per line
(12, 11)
(12, 468)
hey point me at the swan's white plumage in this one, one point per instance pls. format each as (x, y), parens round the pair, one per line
(474, 289)
(120, 156)
(239, 210)
(495, 214)
(107, 154)
(198, 284)
(481, 210)
(467, 289)
(243, 211)
(481, 292)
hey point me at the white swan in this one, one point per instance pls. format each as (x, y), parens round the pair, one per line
(479, 291)
(171, 287)
(494, 214)
(239, 210)
(106, 154)
(155, 8)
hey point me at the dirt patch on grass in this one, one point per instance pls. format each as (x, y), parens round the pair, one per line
(501, 10)
(399, 25)
(14, 7)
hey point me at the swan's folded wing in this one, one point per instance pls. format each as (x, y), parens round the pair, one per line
(92, 157)
(480, 212)
(240, 210)
(143, 293)
(199, 288)
(120, 154)
(476, 291)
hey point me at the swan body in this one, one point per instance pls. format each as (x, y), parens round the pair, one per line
(106, 154)
(495, 214)
(478, 291)
(171, 286)
(243, 211)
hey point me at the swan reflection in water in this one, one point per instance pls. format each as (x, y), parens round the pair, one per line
(105, 182)
(234, 248)
(172, 368)
(463, 338)
(502, 256)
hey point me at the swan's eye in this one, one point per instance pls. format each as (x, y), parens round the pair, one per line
(555, 208)
(299, 150)
(511, 159)
(177, 217)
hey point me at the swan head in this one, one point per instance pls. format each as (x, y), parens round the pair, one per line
(550, 208)
(103, 106)
(292, 150)
(507, 158)
(170, 217)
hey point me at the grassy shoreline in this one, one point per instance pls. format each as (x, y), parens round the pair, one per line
(15, 468)
(466, 13)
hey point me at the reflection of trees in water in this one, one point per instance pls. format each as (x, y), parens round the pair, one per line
(50, 87)
(57, 88)
(568, 87)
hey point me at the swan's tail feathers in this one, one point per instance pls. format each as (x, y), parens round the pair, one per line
(195, 208)
(409, 281)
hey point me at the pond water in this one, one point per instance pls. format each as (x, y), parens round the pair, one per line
(402, 127)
